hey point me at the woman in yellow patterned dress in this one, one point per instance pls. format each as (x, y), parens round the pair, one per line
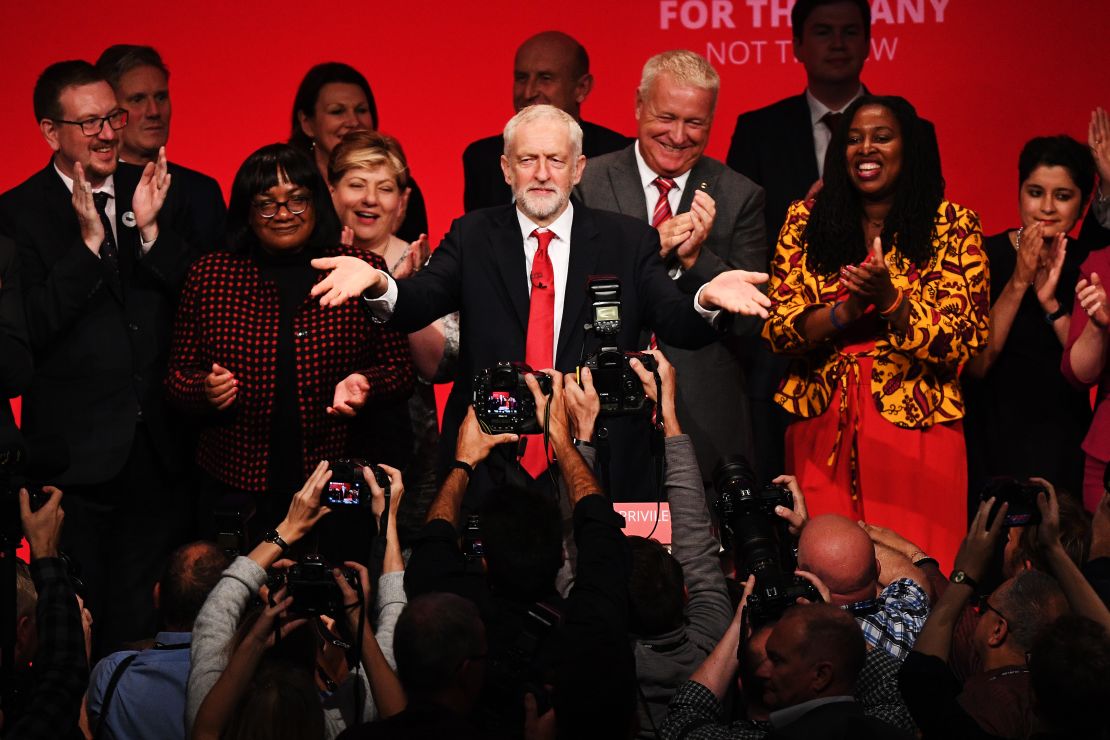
(880, 289)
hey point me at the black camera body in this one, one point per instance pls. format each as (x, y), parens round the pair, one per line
(616, 383)
(347, 489)
(1020, 495)
(313, 588)
(502, 401)
(761, 542)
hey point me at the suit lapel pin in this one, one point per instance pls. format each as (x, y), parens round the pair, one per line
(128, 219)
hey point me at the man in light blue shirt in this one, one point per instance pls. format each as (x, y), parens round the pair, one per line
(141, 694)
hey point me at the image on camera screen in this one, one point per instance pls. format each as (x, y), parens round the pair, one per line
(502, 403)
(342, 494)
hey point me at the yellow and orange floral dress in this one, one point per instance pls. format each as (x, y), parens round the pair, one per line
(889, 449)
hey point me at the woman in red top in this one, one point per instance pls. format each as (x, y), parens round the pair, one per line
(257, 359)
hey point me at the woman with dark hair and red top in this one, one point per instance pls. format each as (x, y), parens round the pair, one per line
(1084, 362)
(257, 359)
(332, 100)
(880, 291)
(1023, 418)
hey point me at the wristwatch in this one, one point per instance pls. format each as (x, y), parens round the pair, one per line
(273, 537)
(961, 577)
(1058, 313)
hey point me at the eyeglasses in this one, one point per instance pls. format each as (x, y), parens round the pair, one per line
(296, 205)
(93, 126)
(983, 605)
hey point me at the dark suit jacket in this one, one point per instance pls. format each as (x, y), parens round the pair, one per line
(485, 184)
(15, 354)
(712, 396)
(774, 147)
(479, 270)
(197, 196)
(100, 345)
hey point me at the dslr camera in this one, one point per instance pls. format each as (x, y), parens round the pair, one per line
(617, 385)
(347, 489)
(759, 538)
(502, 401)
(1022, 497)
(313, 587)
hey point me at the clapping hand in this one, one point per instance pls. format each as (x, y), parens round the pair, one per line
(1092, 298)
(221, 388)
(150, 196)
(1098, 137)
(92, 229)
(414, 258)
(870, 281)
(350, 396)
(1048, 275)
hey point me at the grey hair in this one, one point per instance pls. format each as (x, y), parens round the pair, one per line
(539, 113)
(685, 67)
(1033, 601)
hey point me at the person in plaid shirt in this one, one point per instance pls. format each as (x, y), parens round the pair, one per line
(51, 659)
(888, 598)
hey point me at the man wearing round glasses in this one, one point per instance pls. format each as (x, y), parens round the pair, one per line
(101, 265)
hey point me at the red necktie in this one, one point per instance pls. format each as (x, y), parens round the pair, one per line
(541, 336)
(663, 205)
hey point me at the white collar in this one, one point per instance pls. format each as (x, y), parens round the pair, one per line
(560, 226)
(648, 175)
(108, 186)
(817, 109)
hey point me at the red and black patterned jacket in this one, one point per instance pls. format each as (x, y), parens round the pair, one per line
(228, 315)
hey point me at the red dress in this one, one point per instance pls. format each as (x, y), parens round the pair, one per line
(850, 460)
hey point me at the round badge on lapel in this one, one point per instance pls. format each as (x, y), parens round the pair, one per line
(129, 219)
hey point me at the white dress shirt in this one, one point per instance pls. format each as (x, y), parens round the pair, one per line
(821, 133)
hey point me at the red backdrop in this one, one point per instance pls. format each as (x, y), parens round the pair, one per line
(989, 73)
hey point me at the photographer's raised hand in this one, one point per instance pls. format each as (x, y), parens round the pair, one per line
(667, 380)
(43, 528)
(797, 517)
(582, 403)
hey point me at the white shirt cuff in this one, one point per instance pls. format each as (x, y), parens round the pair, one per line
(709, 316)
(381, 308)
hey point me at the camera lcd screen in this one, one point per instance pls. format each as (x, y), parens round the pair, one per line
(342, 494)
(501, 403)
(607, 313)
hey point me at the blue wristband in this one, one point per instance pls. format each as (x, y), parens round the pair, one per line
(832, 317)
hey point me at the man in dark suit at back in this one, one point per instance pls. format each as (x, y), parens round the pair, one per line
(517, 276)
(717, 225)
(550, 68)
(782, 146)
(100, 272)
(142, 85)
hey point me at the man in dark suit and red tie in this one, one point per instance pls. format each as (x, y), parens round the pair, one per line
(496, 265)
(100, 270)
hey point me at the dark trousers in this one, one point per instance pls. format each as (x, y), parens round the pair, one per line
(119, 534)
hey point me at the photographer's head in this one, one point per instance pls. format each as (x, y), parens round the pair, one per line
(190, 575)
(440, 644)
(523, 540)
(656, 589)
(281, 703)
(815, 651)
(1012, 616)
(1070, 673)
(841, 554)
